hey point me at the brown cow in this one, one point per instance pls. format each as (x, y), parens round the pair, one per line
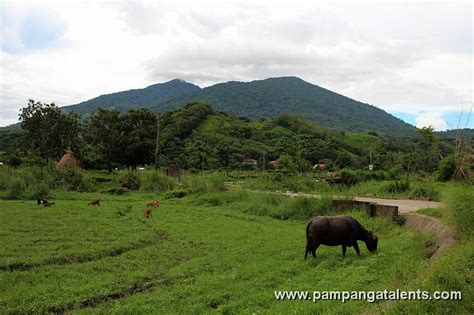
(95, 202)
(148, 212)
(153, 203)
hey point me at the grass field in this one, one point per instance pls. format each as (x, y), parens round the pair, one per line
(191, 256)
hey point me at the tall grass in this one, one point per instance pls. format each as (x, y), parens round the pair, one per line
(452, 271)
(213, 182)
(267, 204)
(32, 181)
(460, 200)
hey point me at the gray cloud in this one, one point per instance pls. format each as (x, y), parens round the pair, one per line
(411, 57)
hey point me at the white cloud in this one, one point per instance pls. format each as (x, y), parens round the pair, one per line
(431, 120)
(415, 58)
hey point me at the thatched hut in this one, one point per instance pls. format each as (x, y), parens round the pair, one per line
(68, 160)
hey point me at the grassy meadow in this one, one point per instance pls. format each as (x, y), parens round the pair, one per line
(208, 249)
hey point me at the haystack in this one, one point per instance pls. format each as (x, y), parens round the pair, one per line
(68, 160)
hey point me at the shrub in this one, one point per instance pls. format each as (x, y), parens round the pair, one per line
(397, 187)
(154, 181)
(199, 184)
(73, 179)
(16, 188)
(461, 202)
(424, 192)
(176, 194)
(446, 169)
(349, 177)
(305, 208)
(130, 181)
(39, 190)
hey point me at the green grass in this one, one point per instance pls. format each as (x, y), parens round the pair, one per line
(193, 256)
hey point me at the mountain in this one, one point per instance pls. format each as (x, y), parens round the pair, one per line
(275, 96)
(260, 99)
(468, 133)
(147, 97)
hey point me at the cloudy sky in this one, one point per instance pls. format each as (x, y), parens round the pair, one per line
(413, 60)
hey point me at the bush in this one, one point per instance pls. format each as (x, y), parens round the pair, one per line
(72, 179)
(305, 208)
(154, 181)
(199, 184)
(424, 192)
(26, 182)
(176, 194)
(130, 181)
(461, 202)
(16, 188)
(397, 187)
(349, 177)
(446, 169)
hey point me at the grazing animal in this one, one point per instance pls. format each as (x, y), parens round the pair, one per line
(95, 202)
(41, 201)
(148, 212)
(153, 203)
(337, 230)
(47, 203)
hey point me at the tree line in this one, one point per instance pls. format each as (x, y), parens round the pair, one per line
(198, 137)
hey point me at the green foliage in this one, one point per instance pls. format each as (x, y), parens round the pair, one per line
(424, 191)
(31, 182)
(8, 138)
(16, 188)
(155, 181)
(446, 169)
(48, 131)
(204, 184)
(129, 180)
(221, 258)
(461, 204)
(352, 177)
(397, 187)
(131, 99)
(271, 97)
(73, 179)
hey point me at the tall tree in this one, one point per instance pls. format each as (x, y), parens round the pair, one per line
(103, 131)
(48, 131)
(138, 130)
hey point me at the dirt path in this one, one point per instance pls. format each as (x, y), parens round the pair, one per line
(404, 205)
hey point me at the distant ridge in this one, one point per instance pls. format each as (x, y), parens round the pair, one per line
(125, 100)
(274, 96)
(259, 99)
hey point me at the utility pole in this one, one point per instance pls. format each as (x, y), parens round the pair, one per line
(157, 147)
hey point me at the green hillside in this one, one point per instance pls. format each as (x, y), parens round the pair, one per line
(275, 96)
(147, 97)
(259, 99)
(196, 136)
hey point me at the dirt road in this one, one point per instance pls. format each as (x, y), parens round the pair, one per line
(404, 205)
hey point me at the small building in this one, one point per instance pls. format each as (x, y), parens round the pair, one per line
(249, 161)
(68, 160)
(319, 167)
